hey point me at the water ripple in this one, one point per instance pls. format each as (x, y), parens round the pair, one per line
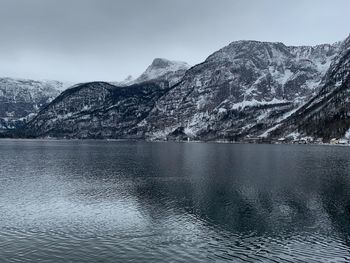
(139, 202)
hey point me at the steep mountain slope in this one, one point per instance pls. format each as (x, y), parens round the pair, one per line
(326, 115)
(20, 99)
(98, 110)
(241, 89)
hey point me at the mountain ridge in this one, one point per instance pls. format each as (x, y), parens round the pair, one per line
(241, 91)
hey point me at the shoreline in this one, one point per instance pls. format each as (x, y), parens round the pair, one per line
(171, 141)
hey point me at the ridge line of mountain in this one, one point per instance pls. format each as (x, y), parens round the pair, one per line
(245, 91)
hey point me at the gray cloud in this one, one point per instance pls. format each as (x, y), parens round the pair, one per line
(82, 40)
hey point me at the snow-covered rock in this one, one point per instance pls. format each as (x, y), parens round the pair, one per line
(163, 69)
(21, 98)
(327, 114)
(242, 89)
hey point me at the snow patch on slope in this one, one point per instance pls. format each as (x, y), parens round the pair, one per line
(253, 102)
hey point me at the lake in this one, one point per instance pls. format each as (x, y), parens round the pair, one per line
(109, 201)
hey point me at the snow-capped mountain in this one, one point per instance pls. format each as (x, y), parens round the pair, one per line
(326, 115)
(161, 69)
(21, 99)
(164, 69)
(246, 89)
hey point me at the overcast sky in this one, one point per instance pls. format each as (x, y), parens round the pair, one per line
(83, 40)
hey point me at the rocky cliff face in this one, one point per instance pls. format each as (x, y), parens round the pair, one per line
(21, 99)
(240, 90)
(247, 89)
(326, 115)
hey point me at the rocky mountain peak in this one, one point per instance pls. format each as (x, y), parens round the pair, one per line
(160, 63)
(164, 69)
(250, 49)
(160, 69)
(161, 66)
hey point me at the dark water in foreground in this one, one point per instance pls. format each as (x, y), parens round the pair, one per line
(98, 201)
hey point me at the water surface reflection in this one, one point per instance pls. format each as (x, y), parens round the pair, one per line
(99, 201)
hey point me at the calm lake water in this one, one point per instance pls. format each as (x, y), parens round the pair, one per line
(100, 201)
